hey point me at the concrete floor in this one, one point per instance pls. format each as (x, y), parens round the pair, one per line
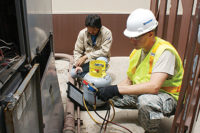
(125, 117)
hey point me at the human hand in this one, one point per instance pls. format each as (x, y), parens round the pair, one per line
(81, 60)
(105, 93)
(78, 69)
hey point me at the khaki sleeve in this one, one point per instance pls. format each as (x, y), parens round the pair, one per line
(105, 47)
(79, 47)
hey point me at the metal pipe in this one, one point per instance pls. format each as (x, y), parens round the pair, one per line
(78, 120)
(69, 120)
(65, 56)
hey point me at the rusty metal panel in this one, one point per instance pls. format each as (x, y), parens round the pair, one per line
(188, 98)
(194, 106)
(154, 6)
(185, 26)
(52, 107)
(22, 115)
(172, 20)
(162, 16)
(191, 86)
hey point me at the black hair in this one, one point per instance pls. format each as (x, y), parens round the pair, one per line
(93, 20)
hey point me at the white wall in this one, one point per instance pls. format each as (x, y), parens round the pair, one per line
(104, 6)
(98, 6)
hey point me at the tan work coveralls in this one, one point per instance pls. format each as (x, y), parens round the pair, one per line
(83, 45)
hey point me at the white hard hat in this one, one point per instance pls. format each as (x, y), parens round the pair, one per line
(139, 22)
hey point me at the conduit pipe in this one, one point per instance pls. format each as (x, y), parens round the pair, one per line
(69, 120)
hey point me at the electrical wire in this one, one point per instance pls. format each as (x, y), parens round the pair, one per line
(102, 117)
(1, 51)
(89, 112)
(108, 112)
(104, 120)
(107, 121)
(16, 58)
(95, 110)
(7, 43)
(8, 62)
(113, 122)
(5, 47)
(112, 105)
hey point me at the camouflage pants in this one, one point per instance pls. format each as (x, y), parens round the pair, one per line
(151, 108)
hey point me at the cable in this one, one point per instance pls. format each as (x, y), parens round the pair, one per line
(107, 112)
(16, 58)
(1, 51)
(113, 109)
(104, 119)
(10, 43)
(95, 111)
(95, 108)
(5, 47)
(89, 112)
(112, 118)
(114, 123)
(107, 121)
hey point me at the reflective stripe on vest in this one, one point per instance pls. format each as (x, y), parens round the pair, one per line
(172, 89)
(134, 68)
(132, 53)
(152, 58)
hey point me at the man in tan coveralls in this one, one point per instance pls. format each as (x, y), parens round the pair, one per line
(93, 43)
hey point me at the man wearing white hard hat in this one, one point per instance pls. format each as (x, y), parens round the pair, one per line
(154, 76)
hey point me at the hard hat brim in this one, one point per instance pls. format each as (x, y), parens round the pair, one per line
(130, 34)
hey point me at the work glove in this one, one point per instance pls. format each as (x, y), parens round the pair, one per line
(105, 93)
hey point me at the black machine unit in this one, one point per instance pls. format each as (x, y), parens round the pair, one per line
(30, 99)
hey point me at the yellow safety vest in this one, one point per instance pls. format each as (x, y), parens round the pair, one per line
(141, 73)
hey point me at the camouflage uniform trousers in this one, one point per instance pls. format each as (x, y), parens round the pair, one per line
(151, 108)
